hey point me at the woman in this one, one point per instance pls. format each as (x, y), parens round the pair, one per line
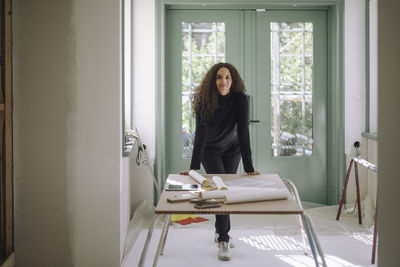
(222, 133)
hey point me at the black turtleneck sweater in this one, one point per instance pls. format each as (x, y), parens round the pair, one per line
(219, 134)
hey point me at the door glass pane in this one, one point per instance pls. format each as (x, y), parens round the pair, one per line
(291, 88)
(203, 45)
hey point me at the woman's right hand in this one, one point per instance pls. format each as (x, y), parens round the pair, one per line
(184, 173)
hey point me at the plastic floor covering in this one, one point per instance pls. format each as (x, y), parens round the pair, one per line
(261, 240)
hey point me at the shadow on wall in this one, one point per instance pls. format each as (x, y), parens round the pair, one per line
(141, 181)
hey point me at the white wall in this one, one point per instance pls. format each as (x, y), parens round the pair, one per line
(354, 64)
(355, 99)
(389, 128)
(125, 206)
(144, 71)
(144, 80)
(137, 182)
(355, 103)
(139, 186)
(67, 133)
(373, 62)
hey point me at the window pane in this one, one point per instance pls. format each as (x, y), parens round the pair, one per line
(199, 66)
(290, 69)
(291, 88)
(308, 70)
(203, 45)
(185, 73)
(188, 125)
(289, 43)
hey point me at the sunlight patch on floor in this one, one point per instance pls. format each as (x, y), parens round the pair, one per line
(272, 242)
(303, 261)
(362, 237)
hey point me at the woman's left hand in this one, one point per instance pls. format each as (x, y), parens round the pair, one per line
(253, 173)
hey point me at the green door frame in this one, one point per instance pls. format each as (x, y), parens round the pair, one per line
(335, 139)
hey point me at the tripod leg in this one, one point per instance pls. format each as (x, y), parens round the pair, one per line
(358, 192)
(344, 189)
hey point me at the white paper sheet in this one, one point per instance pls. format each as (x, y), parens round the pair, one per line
(221, 193)
(199, 178)
(261, 194)
(219, 183)
(249, 182)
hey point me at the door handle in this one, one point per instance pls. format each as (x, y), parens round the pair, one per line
(254, 121)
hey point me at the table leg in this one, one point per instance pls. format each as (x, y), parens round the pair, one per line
(375, 236)
(163, 237)
(146, 244)
(294, 192)
(311, 227)
(302, 232)
(308, 226)
(168, 222)
(310, 240)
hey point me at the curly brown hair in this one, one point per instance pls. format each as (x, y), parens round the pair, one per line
(205, 99)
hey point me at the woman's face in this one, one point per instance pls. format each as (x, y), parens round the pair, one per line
(224, 81)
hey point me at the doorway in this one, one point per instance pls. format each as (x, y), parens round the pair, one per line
(282, 56)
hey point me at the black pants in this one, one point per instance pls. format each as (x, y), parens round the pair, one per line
(219, 163)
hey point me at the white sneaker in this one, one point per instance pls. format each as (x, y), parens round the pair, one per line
(224, 254)
(231, 244)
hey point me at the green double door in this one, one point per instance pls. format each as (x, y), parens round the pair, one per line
(282, 57)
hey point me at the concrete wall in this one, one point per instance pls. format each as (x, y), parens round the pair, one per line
(67, 139)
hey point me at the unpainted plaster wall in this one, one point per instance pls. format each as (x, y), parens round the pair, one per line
(67, 138)
(44, 87)
(388, 129)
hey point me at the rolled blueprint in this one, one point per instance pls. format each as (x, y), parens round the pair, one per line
(219, 183)
(212, 194)
(198, 177)
(262, 194)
